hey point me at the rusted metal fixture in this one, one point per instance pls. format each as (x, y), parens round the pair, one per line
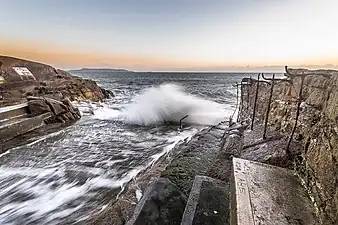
(237, 96)
(181, 126)
(300, 98)
(269, 104)
(248, 95)
(241, 105)
(255, 103)
(297, 114)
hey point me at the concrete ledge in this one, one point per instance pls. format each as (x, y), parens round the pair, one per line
(162, 203)
(23, 126)
(208, 203)
(264, 194)
(13, 111)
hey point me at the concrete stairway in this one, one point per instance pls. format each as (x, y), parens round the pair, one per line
(15, 120)
(264, 194)
(208, 203)
(13, 111)
(256, 194)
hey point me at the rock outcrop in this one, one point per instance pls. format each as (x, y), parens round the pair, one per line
(35, 95)
(43, 80)
(61, 111)
(316, 128)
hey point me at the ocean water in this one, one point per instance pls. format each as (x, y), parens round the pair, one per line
(70, 174)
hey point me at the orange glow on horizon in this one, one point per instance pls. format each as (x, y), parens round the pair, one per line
(60, 56)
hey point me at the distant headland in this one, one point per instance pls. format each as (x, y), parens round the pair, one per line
(99, 70)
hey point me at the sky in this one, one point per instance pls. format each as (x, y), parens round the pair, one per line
(172, 35)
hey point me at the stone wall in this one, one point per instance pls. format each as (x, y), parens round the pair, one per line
(316, 130)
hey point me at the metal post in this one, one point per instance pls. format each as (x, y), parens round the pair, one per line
(182, 120)
(248, 95)
(268, 108)
(300, 98)
(254, 109)
(241, 96)
(237, 105)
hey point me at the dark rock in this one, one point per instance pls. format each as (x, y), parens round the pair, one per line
(107, 93)
(38, 106)
(57, 107)
(60, 119)
(47, 80)
(163, 206)
(56, 96)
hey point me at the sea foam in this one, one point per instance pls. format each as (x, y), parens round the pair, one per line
(169, 103)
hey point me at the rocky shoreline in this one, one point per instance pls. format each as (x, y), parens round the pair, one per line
(288, 123)
(35, 97)
(307, 148)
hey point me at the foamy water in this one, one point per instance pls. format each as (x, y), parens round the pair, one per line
(70, 174)
(169, 103)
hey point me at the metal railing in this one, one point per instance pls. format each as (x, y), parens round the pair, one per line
(273, 82)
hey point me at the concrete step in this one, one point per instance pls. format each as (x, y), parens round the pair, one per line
(12, 120)
(208, 203)
(264, 194)
(12, 111)
(16, 127)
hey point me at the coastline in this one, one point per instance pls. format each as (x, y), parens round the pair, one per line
(167, 184)
(29, 90)
(281, 149)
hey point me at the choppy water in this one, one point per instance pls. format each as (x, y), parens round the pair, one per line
(70, 174)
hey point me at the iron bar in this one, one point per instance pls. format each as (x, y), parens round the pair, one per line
(233, 115)
(182, 120)
(241, 105)
(254, 109)
(247, 96)
(276, 79)
(300, 98)
(269, 104)
(249, 102)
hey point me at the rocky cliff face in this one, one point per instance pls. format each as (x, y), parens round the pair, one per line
(46, 81)
(45, 93)
(316, 128)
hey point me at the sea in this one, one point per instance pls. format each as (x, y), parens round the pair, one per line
(68, 175)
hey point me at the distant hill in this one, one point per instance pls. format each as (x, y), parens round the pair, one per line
(99, 70)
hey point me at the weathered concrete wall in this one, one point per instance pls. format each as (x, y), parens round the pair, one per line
(317, 130)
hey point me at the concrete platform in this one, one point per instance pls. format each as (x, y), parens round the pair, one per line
(22, 126)
(208, 203)
(13, 111)
(264, 194)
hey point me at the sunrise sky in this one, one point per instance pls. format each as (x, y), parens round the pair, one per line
(171, 35)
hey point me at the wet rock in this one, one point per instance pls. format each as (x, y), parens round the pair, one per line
(108, 93)
(57, 107)
(195, 159)
(62, 111)
(38, 106)
(164, 205)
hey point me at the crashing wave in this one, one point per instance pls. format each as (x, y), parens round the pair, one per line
(169, 103)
